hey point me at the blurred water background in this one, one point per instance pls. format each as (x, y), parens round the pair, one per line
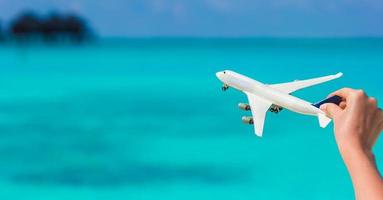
(146, 119)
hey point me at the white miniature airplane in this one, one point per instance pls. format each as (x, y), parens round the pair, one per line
(275, 97)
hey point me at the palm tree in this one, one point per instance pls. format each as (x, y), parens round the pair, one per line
(55, 27)
(75, 27)
(52, 28)
(26, 25)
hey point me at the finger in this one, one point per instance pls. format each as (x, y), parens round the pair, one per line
(373, 103)
(342, 105)
(331, 110)
(378, 129)
(344, 92)
(375, 137)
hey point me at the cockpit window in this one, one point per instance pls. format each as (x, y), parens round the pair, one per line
(224, 72)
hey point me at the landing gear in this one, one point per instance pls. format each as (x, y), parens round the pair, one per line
(275, 109)
(225, 87)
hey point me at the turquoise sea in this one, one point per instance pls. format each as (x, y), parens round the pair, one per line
(146, 119)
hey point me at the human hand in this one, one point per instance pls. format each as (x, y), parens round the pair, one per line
(357, 121)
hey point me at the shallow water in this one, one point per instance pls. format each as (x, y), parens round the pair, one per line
(146, 119)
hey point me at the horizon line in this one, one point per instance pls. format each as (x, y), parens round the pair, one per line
(239, 37)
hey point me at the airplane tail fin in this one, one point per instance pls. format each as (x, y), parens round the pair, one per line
(323, 120)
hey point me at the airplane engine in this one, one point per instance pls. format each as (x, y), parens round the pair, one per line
(244, 106)
(248, 120)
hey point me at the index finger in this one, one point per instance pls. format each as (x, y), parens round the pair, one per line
(344, 93)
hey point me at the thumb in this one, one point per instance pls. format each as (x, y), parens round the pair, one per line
(331, 109)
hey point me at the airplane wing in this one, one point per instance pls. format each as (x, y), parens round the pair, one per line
(259, 108)
(297, 85)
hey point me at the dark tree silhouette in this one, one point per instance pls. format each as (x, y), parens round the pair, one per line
(76, 27)
(28, 24)
(55, 27)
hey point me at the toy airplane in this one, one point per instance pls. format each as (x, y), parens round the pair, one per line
(275, 97)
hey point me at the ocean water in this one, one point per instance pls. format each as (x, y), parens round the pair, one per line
(146, 119)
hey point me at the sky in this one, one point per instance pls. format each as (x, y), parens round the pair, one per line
(215, 18)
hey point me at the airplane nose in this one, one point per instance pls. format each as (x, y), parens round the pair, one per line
(219, 75)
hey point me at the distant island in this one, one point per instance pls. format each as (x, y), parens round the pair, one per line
(55, 27)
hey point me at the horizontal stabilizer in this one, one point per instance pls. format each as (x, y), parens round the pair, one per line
(323, 120)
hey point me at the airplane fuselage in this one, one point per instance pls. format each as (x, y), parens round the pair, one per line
(279, 98)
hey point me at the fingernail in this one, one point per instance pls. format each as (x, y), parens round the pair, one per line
(323, 107)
